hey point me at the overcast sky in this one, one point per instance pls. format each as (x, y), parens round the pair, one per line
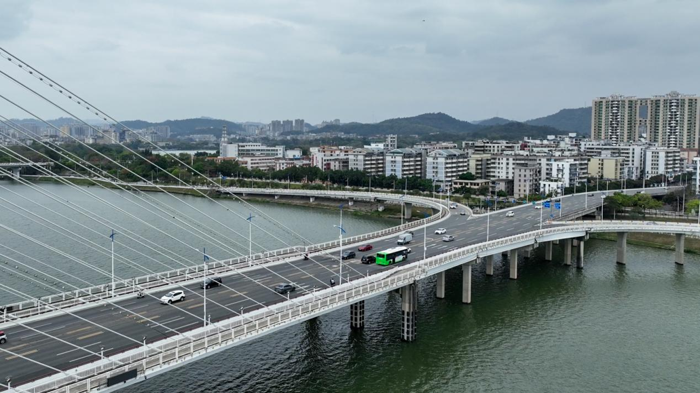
(357, 60)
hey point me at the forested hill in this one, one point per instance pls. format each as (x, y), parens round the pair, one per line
(572, 120)
(189, 126)
(444, 126)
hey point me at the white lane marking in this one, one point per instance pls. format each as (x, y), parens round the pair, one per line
(184, 326)
(43, 331)
(78, 349)
(232, 303)
(171, 320)
(82, 357)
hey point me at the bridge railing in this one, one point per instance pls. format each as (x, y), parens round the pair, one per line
(133, 285)
(229, 331)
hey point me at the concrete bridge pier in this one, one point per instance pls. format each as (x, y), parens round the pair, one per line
(467, 283)
(622, 248)
(567, 252)
(513, 264)
(680, 248)
(579, 258)
(15, 172)
(311, 199)
(548, 251)
(574, 242)
(409, 307)
(440, 292)
(489, 265)
(407, 210)
(357, 315)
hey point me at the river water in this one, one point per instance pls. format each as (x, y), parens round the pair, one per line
(556, 329)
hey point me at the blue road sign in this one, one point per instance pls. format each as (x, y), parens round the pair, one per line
(557, 205)
(551, 216)
(513, 200)
(547, 205)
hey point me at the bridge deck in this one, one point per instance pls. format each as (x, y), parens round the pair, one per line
(182, 316)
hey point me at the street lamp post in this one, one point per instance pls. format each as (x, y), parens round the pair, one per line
(541, 212)
(340, 236)
(488, 221)
(250, 238)
(602, 208)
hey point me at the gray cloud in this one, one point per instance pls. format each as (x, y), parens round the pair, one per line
(355, 60)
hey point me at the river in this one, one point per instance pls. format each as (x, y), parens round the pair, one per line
(556, 329)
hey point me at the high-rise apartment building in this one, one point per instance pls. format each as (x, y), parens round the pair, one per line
(392, 142)
(370, 161)
(298, 125)
(669, 120)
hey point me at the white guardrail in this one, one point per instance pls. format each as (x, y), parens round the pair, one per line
(200, 341)
(12, 312)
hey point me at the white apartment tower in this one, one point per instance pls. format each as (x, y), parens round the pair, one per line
(669, 120)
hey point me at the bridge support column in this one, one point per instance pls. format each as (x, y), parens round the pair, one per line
(574, 242)
(409, 307)
(579, 259)
(467, 283)
(440, 292)
(622, 248)
(311, 199)
(489, 265)
(567, 252)
(680, 248)
(513, 263)
(407, 210)
(357, 315)
(15, 172)
(548, 251)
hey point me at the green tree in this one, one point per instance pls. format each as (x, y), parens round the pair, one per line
(467, 176)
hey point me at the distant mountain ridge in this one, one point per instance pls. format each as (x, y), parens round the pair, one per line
(494, 121)
(566, 120)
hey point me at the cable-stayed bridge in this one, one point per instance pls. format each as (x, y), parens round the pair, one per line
(98, 336)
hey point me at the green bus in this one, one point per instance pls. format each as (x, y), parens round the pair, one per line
(392, 255)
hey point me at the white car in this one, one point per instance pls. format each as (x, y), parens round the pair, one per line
(538, 206)
(440, 231)
(172, 297)
(510, 214)
(453, 206)
(462, 213)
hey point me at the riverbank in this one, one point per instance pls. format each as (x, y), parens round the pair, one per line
(359, 208)
(654, 240)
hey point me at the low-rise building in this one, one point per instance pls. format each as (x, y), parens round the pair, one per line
(251, 150)
(443, 166)
(370, 161)
(404, 163)
(612, 168)
(526, 180)
(662, 161)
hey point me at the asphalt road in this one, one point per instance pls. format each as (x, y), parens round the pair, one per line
(115, 330)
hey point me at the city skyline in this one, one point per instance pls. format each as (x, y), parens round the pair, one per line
(358, 62)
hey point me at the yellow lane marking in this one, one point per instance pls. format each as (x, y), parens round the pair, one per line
(16, 347)
(21, 354)
(90, 335)
(79, 330)
(149, 319)
(195, 305)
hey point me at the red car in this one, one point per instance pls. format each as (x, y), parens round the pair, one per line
(365, 247)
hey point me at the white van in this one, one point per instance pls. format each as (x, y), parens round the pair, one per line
(405, 238)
